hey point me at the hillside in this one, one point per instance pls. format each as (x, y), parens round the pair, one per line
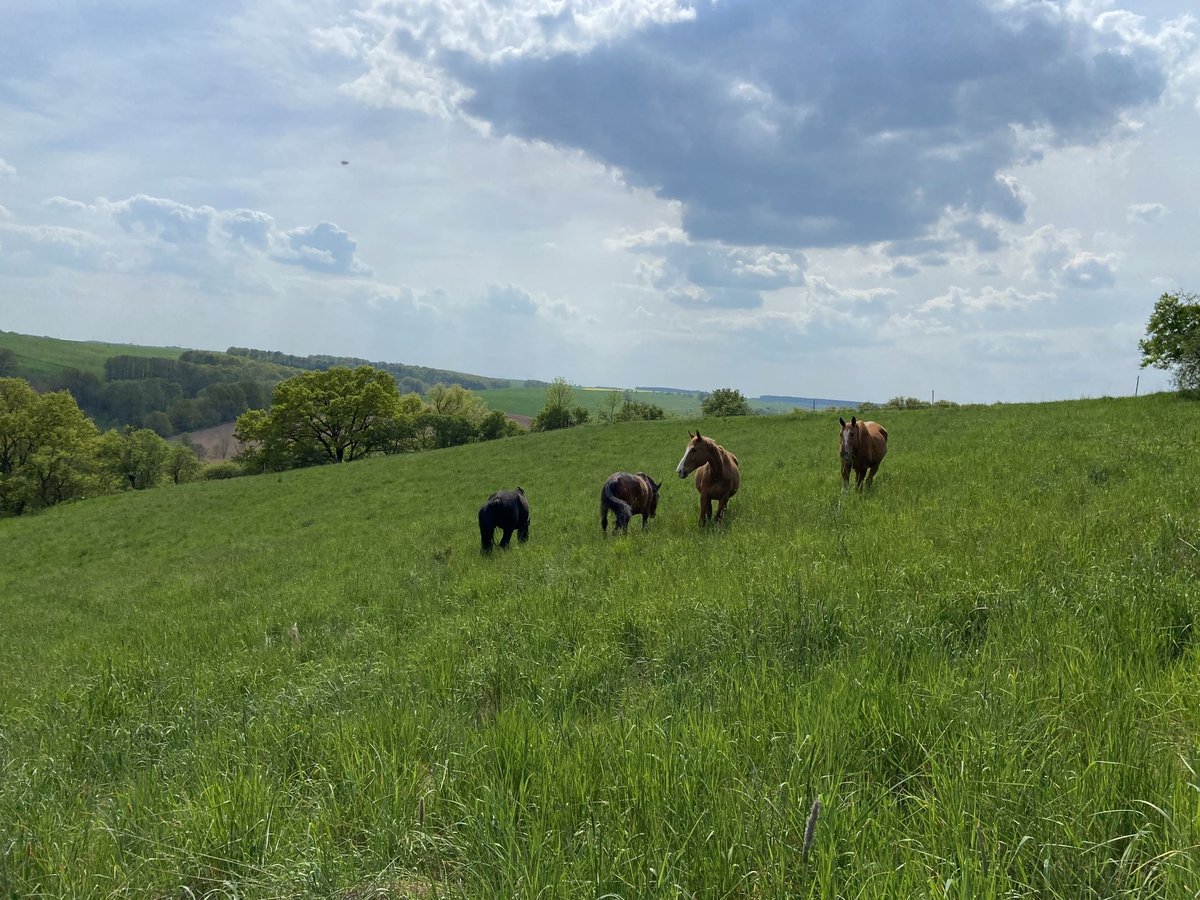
(42, 358)
(312, 684)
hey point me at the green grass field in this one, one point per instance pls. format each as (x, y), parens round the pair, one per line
(525, 401)
(985, 670)
(44, 357)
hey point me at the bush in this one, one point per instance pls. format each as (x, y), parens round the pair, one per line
(725, 402)
(221, 470)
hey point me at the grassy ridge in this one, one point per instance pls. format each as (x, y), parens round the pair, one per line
(985, 670)
(43, 357)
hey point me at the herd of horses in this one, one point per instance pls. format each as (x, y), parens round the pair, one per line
(862, 446)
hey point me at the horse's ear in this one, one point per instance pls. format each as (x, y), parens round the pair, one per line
(853, 420)
(843, 421)
(697, 432)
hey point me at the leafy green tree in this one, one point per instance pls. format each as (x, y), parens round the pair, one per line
(634, 410)
(439, 431)
(337, 415)
(456, 400)
(725, 402)
(47, 448)
(1172, 339)
(182, 463)
(497, 425)
(136, 457)
(609, 404)
(558, 411)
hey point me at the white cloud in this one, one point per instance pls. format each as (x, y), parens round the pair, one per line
(1147, 213)
(7, 172)
(708, 274)
(1055, 255)
(321, 248)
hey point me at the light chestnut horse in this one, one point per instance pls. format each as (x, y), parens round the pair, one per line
(717, 476)
(863, 447)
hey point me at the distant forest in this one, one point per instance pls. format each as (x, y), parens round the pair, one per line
(203, 388)
(415, 379)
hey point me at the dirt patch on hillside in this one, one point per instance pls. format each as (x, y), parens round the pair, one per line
(214, 444)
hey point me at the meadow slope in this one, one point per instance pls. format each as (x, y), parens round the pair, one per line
(312, 684)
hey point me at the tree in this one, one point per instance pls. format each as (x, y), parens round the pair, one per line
(456, 400)
(725, 402)
(182, 463)
(633, 410)
(497, 425)
(136, 457)
(337, 415)
(1173, 339)
(46, 448)
(8, 362)
(558, 411)
(609, 405)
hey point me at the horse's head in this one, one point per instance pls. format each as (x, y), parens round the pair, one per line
(694, 456)
(652, 503)
(849, 441)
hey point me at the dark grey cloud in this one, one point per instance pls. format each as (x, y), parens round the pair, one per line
(815, 124)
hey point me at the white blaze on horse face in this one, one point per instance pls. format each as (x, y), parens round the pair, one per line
(847, 445)
(681, 470)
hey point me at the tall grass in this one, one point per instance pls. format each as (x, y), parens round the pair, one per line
(312, 684)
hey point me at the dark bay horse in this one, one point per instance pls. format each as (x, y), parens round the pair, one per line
(627, 496)
(717, 476)
(507, 510)
(863, 447)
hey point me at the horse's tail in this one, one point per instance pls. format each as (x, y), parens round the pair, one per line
(487, 530)
(610, 500)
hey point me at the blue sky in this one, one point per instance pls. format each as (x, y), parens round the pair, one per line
(981, 198)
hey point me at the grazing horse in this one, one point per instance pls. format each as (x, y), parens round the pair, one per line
(716, 469)
(863, 446)
(508, 510)
(627, 496)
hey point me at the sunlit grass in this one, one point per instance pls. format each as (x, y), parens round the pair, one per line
(984, 670)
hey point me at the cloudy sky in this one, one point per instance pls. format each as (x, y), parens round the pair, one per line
(978, 198)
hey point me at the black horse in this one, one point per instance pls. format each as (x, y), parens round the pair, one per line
(508, 510)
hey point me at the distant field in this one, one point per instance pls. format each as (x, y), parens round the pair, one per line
(529, 401)
(42, 357)
(311, 684)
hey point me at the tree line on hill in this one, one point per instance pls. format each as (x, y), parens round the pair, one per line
(198, 390)
(412, 379)
(51, 452)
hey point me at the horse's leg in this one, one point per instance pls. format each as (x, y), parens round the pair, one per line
(643, 521)
(871, 474)
(705, 508)
(859, 473)
(485, 537)
(523, 531)
(721, 504)
(604, 518)
(845, 477)
(508, 530)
